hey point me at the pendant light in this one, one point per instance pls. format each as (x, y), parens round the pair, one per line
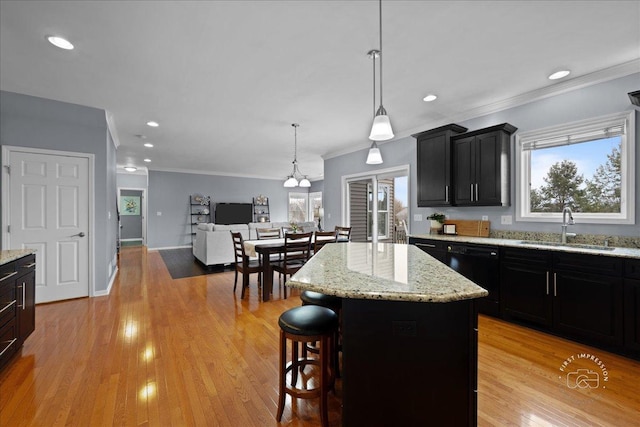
(381, 129)
(294, 179)
(374, 157)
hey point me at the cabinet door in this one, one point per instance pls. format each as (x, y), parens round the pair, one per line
(488, 169)
(588, 306)
(464, 171)
(632, 314)
(434, 170)
(526, 293)
(435, 248)
(26, 296)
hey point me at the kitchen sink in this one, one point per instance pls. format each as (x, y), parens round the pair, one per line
(567, 245)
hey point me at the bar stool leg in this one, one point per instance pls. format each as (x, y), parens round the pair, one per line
(283, 368)
(325, 356)
(295, 363)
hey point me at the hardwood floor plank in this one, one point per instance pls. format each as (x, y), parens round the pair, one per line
(165, 352)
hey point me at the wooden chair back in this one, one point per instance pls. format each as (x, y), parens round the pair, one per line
(343, 233)
(268, 233)
(327, 237)
(238, 248)
(297, 246)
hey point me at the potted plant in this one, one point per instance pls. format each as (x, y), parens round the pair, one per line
(436, 220)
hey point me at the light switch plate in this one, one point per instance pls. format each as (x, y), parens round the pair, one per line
(417, 217)
(159, 213)
(485, 217)
(506, 219)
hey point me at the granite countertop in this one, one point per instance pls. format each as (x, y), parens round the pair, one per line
(548, 246)
(7, 256)
(394, 272)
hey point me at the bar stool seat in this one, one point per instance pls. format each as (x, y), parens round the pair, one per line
(301, 325)
(316, 298)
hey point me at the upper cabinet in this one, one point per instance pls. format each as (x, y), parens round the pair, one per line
(434, 165)
(481, 166)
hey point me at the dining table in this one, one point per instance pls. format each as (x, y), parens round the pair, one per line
(264, 249)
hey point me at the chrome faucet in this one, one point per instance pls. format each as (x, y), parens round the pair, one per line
(566, 211)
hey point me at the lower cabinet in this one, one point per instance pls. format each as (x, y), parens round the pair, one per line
(17, 305)
(435, 248)
(574, 295)
(632, 305)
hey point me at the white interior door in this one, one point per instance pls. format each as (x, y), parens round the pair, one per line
(49, 212)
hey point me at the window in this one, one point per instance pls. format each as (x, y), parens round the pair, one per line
(383, 210)
(315, 204)
(298, 207)
(587, 165)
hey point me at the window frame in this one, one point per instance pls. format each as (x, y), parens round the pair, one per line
(385, 212)
(627, 170)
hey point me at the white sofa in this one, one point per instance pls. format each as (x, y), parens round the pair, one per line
(213, 244)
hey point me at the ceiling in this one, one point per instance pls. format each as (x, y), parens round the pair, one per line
(225, 79)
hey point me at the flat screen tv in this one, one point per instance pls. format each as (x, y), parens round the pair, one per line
(234, 213)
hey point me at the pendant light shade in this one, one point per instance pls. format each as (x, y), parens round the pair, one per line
(381, 129)
(374, 157)
(296, 178)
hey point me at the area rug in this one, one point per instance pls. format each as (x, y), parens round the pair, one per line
(181, 263)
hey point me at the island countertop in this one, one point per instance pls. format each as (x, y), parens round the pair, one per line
(393, 272)
(13, 254)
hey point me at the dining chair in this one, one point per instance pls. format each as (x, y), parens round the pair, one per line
(343, 233)
(268, 233)
(327, 237)
(297, 249)
(244, 264)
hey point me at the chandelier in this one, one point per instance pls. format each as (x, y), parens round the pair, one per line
(296, 178)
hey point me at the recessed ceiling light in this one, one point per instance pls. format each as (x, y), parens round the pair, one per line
(153, 124)
(148, 145)
(60, 42)
(130, 168)
(559, 74)
(147, 160)
(429, 98)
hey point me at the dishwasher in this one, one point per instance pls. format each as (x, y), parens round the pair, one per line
(481, 265)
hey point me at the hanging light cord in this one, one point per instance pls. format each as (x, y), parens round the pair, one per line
(380, 8)
(373, 56)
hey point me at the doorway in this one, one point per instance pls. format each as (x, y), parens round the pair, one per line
(132, 217)
(378, 201)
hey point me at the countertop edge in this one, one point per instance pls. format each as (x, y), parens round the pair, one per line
(516, 243)
(7, 256)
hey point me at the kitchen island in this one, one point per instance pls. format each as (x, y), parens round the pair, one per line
(409, 331)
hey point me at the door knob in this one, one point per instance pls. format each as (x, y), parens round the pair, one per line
(80, 234)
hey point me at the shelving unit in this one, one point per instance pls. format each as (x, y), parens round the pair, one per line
(199, 211)
(261, 209)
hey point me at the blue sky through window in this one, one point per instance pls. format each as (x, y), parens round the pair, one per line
(587, 156)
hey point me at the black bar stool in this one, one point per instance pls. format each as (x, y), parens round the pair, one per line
(304, 324)
(334, 303)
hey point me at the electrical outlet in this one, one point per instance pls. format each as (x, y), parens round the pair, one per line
(506, 219)
(417, 217)
(485, 217)
(159, 213)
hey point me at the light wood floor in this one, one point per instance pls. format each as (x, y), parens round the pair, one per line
(163, 352)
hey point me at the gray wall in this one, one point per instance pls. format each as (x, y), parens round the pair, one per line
(28, 121)
(131, 224)
(169, 195)
(596, 100)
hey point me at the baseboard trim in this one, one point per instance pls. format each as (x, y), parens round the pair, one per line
(169, 247)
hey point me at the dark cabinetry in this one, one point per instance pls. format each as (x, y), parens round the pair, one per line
(435, 248)
(481, 166)
(17, 305)
(632, 305)
(578, 296)
(434, 165)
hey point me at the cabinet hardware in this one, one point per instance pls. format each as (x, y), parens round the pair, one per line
(476, 191)
(555, 293)
(7, 306)
(21, 287)
(29, 265)
(426, 245)
(6, 276)
(24, 296)
(547, 282)
(7, 347)
(446, 193)
(472, 192)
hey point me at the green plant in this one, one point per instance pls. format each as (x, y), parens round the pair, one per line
(436, 216)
